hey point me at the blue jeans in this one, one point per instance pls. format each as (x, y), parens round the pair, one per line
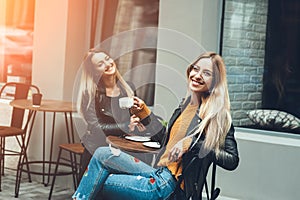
(112, 176)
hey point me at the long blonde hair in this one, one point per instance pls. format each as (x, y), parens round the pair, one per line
(215, 106)
(89, 80)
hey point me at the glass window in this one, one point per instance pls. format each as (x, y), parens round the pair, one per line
(113, 17)
(260, 44)
(16, 39)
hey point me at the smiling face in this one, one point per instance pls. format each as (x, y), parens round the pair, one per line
(200, 76)
(103, 64)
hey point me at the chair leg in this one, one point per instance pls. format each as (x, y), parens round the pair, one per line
(206, 190)
(215, 194)
(1, 158)
(0, 174)
(74, 169)
(28, 170)
(18, 178)
(22, 159)
(78, 172)
(213, 182)
(3, 155)
(23, 152)
(55, 172)
(19, 174)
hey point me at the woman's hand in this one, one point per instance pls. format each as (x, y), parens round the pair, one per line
(135, 122)
(138, 103)
(176, 152)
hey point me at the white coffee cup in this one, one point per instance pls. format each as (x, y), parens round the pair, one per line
(125, 102)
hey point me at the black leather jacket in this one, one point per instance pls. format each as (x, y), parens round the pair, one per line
(194, 177)
(112, 120)
(104, 117)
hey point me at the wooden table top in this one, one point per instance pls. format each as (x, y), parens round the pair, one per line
(129, 145)
(46, 105)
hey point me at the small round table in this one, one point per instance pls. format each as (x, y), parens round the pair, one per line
(132, 146)
(52, 106)
(46, 105)
(128, 145)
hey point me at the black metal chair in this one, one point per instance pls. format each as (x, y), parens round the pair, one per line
(10, 91)
(210, 195)
(214, 192)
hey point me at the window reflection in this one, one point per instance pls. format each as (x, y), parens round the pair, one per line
(260, 47)
(16, 40)
(112, 17)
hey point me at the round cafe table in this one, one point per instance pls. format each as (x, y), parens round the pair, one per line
(47, 106)
(129, 145)
(132, 146)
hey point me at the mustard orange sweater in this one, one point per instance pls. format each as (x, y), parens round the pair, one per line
(178, 132)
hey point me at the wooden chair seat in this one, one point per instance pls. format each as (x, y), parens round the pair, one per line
(74, 148)
(7, 131)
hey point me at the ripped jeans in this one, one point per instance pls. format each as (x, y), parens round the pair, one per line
(117, 175)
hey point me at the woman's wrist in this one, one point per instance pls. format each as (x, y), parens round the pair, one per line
(141, 112)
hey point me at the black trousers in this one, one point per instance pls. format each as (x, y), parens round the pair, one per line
(85, 159)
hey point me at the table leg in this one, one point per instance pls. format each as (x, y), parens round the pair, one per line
(70, 138)
(23, 158)
(51, 147)
(44, 143)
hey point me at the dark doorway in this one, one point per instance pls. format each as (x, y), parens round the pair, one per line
(282, 65)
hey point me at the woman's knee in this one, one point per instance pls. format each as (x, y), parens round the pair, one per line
(102, 152)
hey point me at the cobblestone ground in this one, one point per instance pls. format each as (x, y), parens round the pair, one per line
(30, 191)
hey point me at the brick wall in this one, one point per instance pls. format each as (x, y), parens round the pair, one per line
(243, 52)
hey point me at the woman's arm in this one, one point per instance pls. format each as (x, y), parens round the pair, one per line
(154, 125)
(145, 118)
(228, 157)
(94, 126)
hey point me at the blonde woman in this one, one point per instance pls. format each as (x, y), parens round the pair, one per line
(201, 126)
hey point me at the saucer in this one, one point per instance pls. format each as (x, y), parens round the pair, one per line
(137, 138)
(152, 144)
